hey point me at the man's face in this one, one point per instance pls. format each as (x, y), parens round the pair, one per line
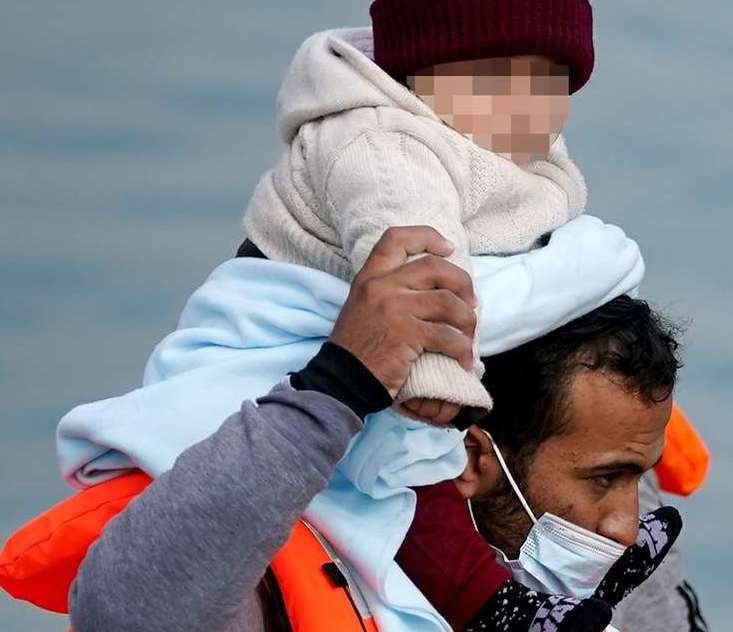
(513, 106)
(589, 474)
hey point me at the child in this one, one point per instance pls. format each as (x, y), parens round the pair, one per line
(446, 113)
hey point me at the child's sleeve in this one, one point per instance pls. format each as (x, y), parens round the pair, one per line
(389, 178)
(381, 179)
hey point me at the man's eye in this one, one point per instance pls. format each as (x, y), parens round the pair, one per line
(605, 480)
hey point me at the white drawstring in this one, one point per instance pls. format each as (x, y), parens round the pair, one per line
(470, 511)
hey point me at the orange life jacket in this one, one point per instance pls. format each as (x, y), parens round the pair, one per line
(310, 590)
(306, 580)
(318, 592)
(685, 460)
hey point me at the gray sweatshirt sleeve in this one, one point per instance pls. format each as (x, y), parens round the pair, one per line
(188, 553)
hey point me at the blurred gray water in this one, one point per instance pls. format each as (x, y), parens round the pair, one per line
(131, 135)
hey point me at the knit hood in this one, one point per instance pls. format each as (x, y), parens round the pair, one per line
(334, 71)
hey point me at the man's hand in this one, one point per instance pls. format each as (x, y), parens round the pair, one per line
(396, 310)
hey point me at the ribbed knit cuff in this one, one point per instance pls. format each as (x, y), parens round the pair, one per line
(337, 372)
(438, 376)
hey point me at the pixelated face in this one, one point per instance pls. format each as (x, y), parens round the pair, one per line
(513, 106)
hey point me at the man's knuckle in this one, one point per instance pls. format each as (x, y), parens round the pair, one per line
(433, 264)
(428, 334)
(445, 333)
(391, 236)
(441, 299)
(464, 321)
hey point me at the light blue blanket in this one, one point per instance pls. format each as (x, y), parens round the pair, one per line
(254, 320)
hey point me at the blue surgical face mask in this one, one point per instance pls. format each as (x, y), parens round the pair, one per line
(559, 557)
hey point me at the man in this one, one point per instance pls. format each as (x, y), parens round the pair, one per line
(190, 551)
(579, 417)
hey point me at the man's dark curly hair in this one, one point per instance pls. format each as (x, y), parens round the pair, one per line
(624, 337)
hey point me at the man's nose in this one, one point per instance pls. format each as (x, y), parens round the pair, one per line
(621, 522)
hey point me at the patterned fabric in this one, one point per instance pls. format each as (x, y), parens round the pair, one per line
(657, 532)
(515, 608)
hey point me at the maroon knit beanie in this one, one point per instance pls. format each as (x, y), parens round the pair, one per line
(413, 34)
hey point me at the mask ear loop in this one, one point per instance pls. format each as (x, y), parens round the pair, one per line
(470, 513)
(510, 478)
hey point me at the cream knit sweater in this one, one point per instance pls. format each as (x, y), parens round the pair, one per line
(363, 153)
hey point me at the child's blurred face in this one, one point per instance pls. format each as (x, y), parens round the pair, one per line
(513, 106)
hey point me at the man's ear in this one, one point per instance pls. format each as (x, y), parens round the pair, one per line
(482, 470)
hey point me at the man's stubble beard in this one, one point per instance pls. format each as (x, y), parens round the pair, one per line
(500, 517)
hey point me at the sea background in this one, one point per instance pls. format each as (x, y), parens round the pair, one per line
(132, 134)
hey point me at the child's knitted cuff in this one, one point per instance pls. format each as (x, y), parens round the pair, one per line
(438, 376)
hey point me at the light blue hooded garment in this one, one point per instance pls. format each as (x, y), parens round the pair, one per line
(254, 320)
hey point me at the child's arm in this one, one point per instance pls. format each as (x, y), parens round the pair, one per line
(389, 178)
(384, 175)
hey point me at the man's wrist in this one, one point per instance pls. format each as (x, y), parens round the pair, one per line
(337, 372)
